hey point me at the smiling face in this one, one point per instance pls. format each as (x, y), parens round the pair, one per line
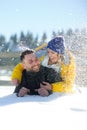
(53, 56)
(31, 62)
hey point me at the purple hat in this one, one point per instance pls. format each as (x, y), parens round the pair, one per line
(57, 45)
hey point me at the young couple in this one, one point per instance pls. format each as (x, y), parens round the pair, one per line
(55, 74)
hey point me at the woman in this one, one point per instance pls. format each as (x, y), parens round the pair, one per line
(60, 60)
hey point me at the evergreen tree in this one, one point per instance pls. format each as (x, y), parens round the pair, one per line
(14, 39)
(44, 38)
(61, 32)
(54, 34)
(22, 37)
(36, 41)
(69, 32)
(29, 39)
(2, 42)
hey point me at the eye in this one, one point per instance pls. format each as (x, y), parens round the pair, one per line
(36, 59)
(29, 61)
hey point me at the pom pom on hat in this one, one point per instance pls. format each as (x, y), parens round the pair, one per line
(57, 45)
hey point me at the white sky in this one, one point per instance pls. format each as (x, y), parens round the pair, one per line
(41, 16)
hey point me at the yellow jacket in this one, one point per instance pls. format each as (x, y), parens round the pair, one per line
(67, 74)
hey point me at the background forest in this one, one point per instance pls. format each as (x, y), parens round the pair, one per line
(75, 40)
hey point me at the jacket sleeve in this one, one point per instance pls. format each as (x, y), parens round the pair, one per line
(17, 72)
(68, 75)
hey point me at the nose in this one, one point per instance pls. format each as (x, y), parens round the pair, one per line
(35, 63)
(50, 54)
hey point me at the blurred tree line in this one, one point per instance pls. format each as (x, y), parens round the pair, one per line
(74, 39)
(16, 43)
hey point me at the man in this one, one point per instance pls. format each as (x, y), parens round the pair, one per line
(36, 79)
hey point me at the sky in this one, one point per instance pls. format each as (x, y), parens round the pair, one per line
(39, 16)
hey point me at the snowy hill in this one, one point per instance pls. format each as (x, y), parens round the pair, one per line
(58, 111)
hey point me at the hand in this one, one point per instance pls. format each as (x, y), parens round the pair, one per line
(43, 92)
(23, 91)
(15, 82)
(46, 85)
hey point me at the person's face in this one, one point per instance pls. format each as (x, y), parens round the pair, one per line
(53, 56)
(31, 62)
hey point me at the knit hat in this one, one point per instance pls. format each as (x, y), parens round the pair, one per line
(57, 45)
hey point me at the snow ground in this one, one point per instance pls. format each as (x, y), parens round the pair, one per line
(57, 112)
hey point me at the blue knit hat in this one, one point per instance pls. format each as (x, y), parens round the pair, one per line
(57, 45)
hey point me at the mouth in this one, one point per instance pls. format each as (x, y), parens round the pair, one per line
(36, 68)
(52, 59)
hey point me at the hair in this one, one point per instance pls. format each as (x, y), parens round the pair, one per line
(25, 53)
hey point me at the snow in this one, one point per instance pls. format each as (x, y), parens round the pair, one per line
(58, 111)
(5, 78)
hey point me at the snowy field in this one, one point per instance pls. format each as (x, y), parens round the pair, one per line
(56, 112)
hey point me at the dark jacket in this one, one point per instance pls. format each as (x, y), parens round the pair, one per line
(32, 80)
